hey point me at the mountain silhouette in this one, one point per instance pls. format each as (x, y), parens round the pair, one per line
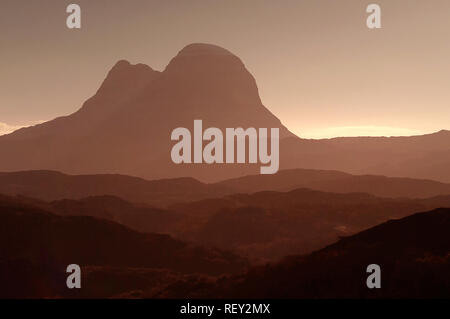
(126, 126)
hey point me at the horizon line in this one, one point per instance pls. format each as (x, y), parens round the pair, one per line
(325, 133)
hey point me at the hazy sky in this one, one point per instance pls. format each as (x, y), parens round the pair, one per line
(317, 65)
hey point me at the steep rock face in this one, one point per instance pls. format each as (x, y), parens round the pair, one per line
(215, 86)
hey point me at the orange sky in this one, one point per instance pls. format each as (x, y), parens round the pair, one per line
(318, 67)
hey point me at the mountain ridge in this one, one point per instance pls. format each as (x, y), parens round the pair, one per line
(52, 185)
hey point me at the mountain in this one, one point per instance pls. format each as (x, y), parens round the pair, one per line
(338, 182)
(413, 253)
(36, 245)
(126, 126)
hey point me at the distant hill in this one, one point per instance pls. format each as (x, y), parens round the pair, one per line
(413, 253)
(338, 182)
(51, 185)
(137, 217)
(422, 156)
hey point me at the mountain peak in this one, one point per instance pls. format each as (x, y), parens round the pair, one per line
(204, 56)
(125, 68)
(127, 76)
(121, 64)
(196, 49)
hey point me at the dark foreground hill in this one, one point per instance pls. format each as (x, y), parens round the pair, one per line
(413, 253)
(271, 225)
(36, 247)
